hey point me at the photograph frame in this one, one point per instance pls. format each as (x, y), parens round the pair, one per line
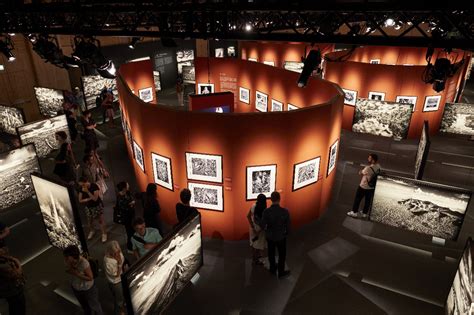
(308, 183)
(252, 59)
(269, 63)
(277, 103)
(374, 61)
(264, 96)
(412, 98)
(353, 93)
(430, 97)
(376, 94)
(293, 66)
(292, 107)
(145, 91)
(19, 112)
(135, 147)
(203, 85)
(329, 169)
(242, 89)
(220, 196)
(249, 169)
(219, 52)
(219, 178)
(168, 161)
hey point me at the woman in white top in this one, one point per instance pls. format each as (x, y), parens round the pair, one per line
(256, 233)
(114, 263)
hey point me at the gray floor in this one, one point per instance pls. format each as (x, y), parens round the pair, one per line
(339, 265)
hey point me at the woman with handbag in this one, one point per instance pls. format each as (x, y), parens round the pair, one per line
(115, 264)
(12, 282)
(124, 211)
(89, 195)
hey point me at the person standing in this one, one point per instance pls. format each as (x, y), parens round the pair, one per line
(89, 195)
(79, 99)
(125, 206)
(183, 209)
(366, 187)
(180, 90)
(82, 282)
(12, 282)
(276, 223)
(71, 123)
(256, 233)
(114, 263)
(90, 137)
(107, 105)
(65, 162)
(151, 208)
(144, 239)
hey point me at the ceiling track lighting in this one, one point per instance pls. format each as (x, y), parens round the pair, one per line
(311, 63)
(87, 51)
(47, 47)
(438, 73)
(6, 48)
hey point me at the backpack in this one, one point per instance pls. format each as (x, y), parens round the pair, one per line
(373, 179)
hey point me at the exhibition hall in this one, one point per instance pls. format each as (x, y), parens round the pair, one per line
(236, 157)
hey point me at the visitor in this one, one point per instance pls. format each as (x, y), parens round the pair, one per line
(71, 124)
(65, 163)
(366, 187)
(4, 232)
(107, 105)
(95, 172)
(89, 136)
(79, 99)
(12, 282)
(276, 223)
(82, 282)
(89, 195)
(100, 99)
(125, 206)
(145, 238)
(114, 265)
(256, 233)
(151, 208)
(183, 209)
(180, 90)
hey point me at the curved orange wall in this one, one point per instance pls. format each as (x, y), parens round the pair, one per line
(282, 138)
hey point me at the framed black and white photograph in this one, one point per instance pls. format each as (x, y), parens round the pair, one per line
(277, 106)
(458, 118)
(431, 103)
(374, 61)
(261, 102)
(204, 167)
(269, 63)
(60, 214)
(15, 169)
(219, 53)
(50, 101)
(157, 80)
(93, 85)
(42, 134)
(422, 152)
(294, 66)
(205, 196)
(154, 281)
(138, 154)
(382, 118)
(253, 59)
(407, 100)
(189, 74)
(261, 179)
(146, 94)
(244, 95)
(350, 97)
(128, 133)
(419, 206)
(231, 51)
(332, 159)
(11, 118)
(162, 171)
(306, 173)
(205, 88)
(377, 96)
(184, 57)
(292, 107)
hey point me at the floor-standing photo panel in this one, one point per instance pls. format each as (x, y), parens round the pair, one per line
(50, 101)
(458, 118)
(10, 119)
(306, 173)
(162, 172)
(93, 85)
(204, 167)
(261, 179)
(422, 152)
(155, 280)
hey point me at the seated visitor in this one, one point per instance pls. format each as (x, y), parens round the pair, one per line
(144, 238)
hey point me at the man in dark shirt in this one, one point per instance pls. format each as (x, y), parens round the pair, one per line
(183, 209)
(276, 222)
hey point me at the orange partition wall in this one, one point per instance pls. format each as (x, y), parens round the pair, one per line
(245, 139)
(141, 77)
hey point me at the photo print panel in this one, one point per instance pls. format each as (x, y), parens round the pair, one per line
(377, 96)
(332, 157)
(277, 106)
(294, 66)
(460, 299)
(205, 88)
(292, 107)
(42, 134)
(15, 169)
(189, 74)
(422, 152)
(382, 118)
(244, 95)
(50, 101)
(306, 173)
(60, 217)
(162, 171)
(431, 103)
(231, 51)
(157, 80)
(10, 119)
(219, 52)
(407, 100)
(138, 153)
(269, 63)
(204, 167)
(146, 94)
(204, 196)
(350, 97)
(458, 119)
(154, 281)
(419, 206)
(93, 85)
(261, 101)
(261, 179)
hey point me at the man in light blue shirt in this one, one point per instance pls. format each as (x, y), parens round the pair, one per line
(144, 239)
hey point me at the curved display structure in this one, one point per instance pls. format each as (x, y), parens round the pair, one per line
(286, 141)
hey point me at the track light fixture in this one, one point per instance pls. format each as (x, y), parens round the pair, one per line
(133, 42)
(439, 72)
(87, 51)
(311, 63)
(6, 48)
(47, 47)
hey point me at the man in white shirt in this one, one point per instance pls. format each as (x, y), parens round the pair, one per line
(365, 190)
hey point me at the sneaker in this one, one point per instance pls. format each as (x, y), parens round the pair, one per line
(284, 274)
(364, 215)
(353, 214)
(90, 235)
(104, 238)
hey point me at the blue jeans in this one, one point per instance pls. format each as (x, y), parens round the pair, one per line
(89, 300)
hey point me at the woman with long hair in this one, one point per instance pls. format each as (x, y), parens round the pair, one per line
(114, 267)
(151, 208)
(256, 232)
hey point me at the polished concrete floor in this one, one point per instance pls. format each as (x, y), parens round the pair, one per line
(339, 265)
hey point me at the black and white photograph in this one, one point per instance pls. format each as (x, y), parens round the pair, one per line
(261, 102)
(253, 59)
(244, 95)
(93, 85)
(419, 206)
(162, 170)
(269, 63)
(294, 66)
(128, 133)
(458, 119)
(374, 61)
(460, 300)
(205, 88)
(292, 107)
(350, 97)
(204, 196)
(10, 119)
(277, 106)
(138, 153)
(42, 134)
(231, 51)
(204, 167)
(332, 157)
(189, 74)
(422, 152)
(15, 169)
(377, 96)
(431, 103)
(146, 94)
(184, 58)
(306, 173)
(154, 281)
(261, 179)
(59, 216)
(50, 101)
(382, 118)
(219, 53)
(407, 100)
(157, 80)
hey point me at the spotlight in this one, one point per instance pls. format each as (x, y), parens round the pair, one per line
(248, 27)
(6, 47)
(32, 38)
(108, 70)
(133, 42)
(11, 34)
(389, 22)
(87, 51)
(312, 62)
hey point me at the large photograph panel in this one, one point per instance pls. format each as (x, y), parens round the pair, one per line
(458, 118)
(10, 119)
(422, 153)
(153, 282)
(93, 85)
(419, 206)
(15, 169)
(50, 101)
